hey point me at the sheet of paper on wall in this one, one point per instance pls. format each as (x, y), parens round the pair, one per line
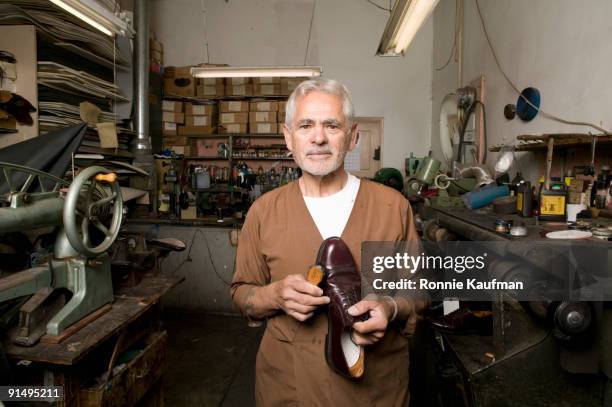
(108, 135)
(89, 112)
(359, 158)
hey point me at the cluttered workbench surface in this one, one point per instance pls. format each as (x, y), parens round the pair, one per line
(129, 305)
(480, 224)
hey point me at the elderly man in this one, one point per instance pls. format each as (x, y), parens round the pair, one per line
(280, 238)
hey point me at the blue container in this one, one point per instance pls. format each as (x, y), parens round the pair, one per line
(484, 196)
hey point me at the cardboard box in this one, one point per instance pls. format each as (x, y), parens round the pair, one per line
(178, 81)
(200, 110)
(262, 117)
(289, 84)
(173, 117)
(281, 117)
(267, 90)
(237, 81)
(210, 90)
(227, 106)
(195, 131)
(238, 128)
(228, 118)
(264, 106)
(172, 106)
(211, 81)
(175, 141)
(281, 105)
(169, 129)
(266, 80)
(239, 90)
(263, 128)
(199, 121)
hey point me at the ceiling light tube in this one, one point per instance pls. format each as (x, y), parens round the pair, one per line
(248, 72)
(97, 16)
(407, 18)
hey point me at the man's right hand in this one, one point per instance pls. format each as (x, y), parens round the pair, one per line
(297, 297)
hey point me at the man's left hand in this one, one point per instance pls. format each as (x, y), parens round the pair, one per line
(371, 331)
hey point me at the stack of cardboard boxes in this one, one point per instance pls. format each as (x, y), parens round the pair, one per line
(238, 87)
(172, 118)
(200, 120)
(183, 120)
(233, 116)
(281, 114)
(287, 85)
(267, 86)
(263, 117)
(210, 87)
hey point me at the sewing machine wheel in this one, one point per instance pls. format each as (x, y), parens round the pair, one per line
(93, 200)
(17, 178)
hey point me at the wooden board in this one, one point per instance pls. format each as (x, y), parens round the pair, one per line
(539, 142)
(128, 306)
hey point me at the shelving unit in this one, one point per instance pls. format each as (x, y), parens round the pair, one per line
(539, 142)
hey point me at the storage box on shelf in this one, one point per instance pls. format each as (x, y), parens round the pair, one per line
(179, 82)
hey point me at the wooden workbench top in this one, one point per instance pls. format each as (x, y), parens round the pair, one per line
(129, 304)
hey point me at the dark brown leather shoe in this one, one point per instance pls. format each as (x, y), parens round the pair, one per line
(341, 282)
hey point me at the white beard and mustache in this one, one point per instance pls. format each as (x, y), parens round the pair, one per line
(321, 167)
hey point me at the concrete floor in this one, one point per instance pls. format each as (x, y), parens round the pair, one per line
(210, 361)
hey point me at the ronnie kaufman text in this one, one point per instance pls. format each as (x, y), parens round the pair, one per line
(424, 284)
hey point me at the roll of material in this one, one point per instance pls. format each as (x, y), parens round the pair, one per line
(504, 205)
(484, 196)
(573, 210)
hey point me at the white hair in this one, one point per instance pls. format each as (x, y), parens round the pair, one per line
(328, 86)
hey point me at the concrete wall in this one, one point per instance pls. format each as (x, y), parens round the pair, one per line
(560, 47)
(345, 35)
(207, 278)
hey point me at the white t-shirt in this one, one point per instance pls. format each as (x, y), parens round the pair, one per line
(331, 213)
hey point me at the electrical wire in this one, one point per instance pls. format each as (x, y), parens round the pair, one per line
(516, 89)
(205, 31)
(454, 48)
(189, 259)
(379, 6)
(314, 4)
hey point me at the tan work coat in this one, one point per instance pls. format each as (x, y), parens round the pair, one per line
(279, 237)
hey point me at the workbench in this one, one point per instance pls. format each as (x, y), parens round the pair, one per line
(130, 324)
(519, 365)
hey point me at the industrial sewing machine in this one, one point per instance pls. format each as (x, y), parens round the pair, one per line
(76, 279)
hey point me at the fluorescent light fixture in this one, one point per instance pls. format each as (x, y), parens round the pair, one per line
(247, 72)
(96, 15)
(407, 17)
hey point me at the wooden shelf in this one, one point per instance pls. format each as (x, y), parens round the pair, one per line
(539, 142)
(218, 189)
(211, 158)
(221, 98)
(249, 135)
(261, 159)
